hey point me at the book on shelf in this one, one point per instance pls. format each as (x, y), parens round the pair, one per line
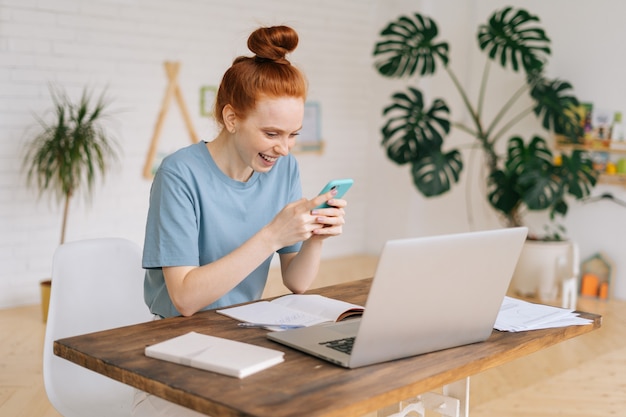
(293, 310)
(216, 354)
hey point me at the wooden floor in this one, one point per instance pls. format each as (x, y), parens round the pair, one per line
(585, 376)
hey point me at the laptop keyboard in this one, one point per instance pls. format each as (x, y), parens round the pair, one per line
(342, 345)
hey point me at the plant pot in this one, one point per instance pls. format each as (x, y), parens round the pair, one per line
(45, 286)
(538, 269)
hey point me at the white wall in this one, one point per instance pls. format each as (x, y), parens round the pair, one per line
(122, 44)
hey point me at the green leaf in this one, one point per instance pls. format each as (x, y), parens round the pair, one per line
(535, 156)
(409, 46)
(502, 194)
(530, 177)
(541, 189)
(68, 153)
(412, 129)
(555, 105)
(509, 36)
(435, 172)
(525, 177)
(578, 174)
(414, 134)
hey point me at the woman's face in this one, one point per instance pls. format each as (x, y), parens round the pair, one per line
(269, 131)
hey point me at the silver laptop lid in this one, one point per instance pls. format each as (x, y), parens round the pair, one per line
(432, 293)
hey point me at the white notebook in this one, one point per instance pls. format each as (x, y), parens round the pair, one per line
(224, 356)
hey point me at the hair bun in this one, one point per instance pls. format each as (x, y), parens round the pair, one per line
(273, 43)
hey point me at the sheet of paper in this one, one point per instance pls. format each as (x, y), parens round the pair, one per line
(266, 312)
(318, 305)
(293, 310)
(517, 315)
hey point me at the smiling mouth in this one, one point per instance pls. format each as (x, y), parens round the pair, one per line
(268, 158)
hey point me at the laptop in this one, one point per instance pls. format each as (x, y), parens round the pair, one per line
(427, 294)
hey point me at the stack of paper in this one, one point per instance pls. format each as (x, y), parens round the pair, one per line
(517, 316)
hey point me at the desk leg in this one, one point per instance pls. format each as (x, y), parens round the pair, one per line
(461, 391)
(453, 403)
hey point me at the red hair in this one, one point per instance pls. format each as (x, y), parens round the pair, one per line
(268, 73)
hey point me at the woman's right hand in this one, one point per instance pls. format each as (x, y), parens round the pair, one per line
(294, 223)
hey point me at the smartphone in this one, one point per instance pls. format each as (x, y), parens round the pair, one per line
(340, 185)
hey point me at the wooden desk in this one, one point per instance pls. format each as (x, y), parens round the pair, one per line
(302, 385)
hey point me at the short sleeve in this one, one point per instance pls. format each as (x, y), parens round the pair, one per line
(172, 223)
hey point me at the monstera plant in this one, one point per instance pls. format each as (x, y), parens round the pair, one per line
(521, 176)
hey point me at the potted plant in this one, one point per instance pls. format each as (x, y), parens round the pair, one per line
(66, 154)
(526, 176)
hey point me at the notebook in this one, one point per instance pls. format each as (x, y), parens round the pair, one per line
(224, 356)
(427, 294)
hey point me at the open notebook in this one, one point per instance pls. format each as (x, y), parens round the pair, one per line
(427, 294)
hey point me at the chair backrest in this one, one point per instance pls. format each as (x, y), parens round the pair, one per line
(97, 284)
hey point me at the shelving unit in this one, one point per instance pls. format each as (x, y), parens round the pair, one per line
(615, 151)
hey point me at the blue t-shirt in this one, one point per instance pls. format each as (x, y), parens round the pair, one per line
(198, 214)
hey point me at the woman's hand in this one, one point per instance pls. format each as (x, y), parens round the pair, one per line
(300, 269)
(301, 220)
(332, 219)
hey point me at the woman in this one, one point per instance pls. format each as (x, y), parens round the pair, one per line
(219, 210)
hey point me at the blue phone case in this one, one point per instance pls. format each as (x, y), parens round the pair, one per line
(342, 187)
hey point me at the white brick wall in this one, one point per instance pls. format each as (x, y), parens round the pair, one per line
(122, 44)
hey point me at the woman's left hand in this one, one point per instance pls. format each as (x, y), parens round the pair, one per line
(331, 218)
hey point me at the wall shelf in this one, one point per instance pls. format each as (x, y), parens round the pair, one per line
(607, 150)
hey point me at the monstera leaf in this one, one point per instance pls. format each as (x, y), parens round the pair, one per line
(435, 172)
(409, 46)
(503, 195)
(414, 134)
(542, 188)
(512, 37)
(520, 158)
(525, 177)
(555, 106)
(530, 177)
(538, 185)
(411, 129)
(577, 174)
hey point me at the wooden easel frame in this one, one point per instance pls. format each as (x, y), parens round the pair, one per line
(173, 90)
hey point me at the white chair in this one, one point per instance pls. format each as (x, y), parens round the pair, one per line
(97, 284)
